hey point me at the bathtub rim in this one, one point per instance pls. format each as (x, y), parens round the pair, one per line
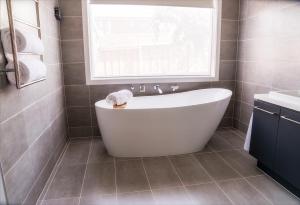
(226, 95)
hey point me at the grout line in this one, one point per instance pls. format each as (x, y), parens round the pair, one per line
(183, 185)
(30, 105)
(213, 180)
(37, 178)
(242, 177)
(32, 143)
(85, 171)
(147, 177)
(116, 184)
(54, 172)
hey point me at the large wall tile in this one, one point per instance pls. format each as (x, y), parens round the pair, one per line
(268, 57)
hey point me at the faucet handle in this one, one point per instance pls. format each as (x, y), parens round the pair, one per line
(174, 87)
(155, 87)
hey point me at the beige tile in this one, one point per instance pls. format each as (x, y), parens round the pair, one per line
(228, 50)
(76, 153)
(240, 192)
(273, 191)
(80, 132)
(160, 173)
(227, 70)
(131, 176)
(66, 183)
(110, 199)
(71, 7)
(99, 153)
(230, 9)
(77, 95)
(232, 138)
(71, 28)
(216, 167)
(72, 51)
(136, 198)
(217, 143)
(229, 30)
(62, 201)
(242, 162)
(189, 170)
(207, 194)
(174, 196)
(99, 180)
(79, 116)
(74, 74)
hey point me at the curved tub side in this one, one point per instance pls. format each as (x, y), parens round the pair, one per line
(159, 132)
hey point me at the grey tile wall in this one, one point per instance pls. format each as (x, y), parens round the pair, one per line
(32, 121)
(268, 56)
(80, 98)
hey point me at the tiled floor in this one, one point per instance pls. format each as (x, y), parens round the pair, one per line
(220, 174)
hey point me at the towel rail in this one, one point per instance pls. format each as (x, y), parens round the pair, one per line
(27, 24)
(15, 52)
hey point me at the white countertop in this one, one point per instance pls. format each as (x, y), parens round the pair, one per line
(283, 102)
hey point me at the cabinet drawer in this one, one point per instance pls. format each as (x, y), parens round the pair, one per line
(264, 106)
(290, 115)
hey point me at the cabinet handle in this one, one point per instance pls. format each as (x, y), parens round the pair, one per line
(271, 113)
(288, 119)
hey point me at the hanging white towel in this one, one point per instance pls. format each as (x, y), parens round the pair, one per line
(31, 69)
(248, 136)
(119, 98)
(26, 42)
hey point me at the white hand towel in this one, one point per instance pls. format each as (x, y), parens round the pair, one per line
(31, 69)
(119, 98)
(26, 42)
(248, 136)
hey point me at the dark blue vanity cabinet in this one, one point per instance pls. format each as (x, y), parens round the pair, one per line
(264, 132)
(275, 142)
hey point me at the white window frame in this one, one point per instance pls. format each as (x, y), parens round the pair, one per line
(90, 80)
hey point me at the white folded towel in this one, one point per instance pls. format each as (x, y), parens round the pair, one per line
(26, 42)
(119, 98)
(31, 69)
(248, 136)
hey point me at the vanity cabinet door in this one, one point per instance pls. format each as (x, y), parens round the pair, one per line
(264, 132)
(287, 161)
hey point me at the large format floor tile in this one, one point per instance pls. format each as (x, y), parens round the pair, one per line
(76, 153)
(160, 173)
(240, 192)
(136, 198)
(241, 161)
(98, 153)
(109, 199)
(67, 182)
(190, 170)
(220, 174)
(207, 194)
(273, 191)
(216, 167)
(131, 176)
(173, 195)
(99, 180)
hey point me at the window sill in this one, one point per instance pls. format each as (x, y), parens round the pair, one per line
(156, 79)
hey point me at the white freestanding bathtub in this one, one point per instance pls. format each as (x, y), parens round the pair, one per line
(162, 125)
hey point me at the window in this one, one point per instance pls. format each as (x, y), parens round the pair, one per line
(134, 41)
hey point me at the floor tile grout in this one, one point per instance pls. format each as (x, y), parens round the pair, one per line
(214, 181)
(242, 177)
(85, 171)
(55, 169)
(174, 169)
(147, 177)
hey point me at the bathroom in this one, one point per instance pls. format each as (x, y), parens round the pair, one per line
(220, 130)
